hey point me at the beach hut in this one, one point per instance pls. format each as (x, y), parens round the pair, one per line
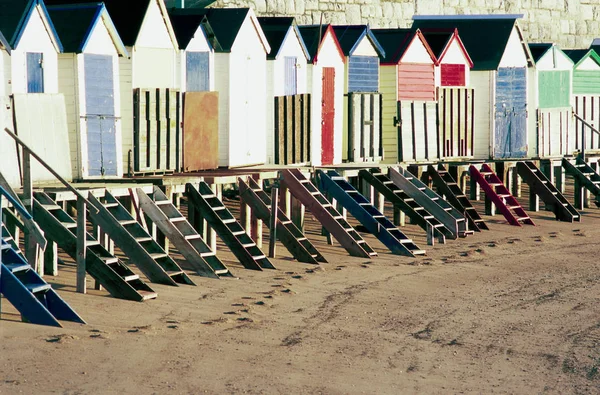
(551, 87)
(89, 80)
(453, 66)
(586, 94)
(500, 58)
(288, 101)
(148, 84)
(362, 100)
(326, 81)
(408, 96)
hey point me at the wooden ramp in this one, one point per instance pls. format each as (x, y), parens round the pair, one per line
(497, 192)
(400, 199)
(136, 242)
(448, 187)
(287, 232)
(227, 227)
(453, 220)
(540, 185)
(182, 234)
(359, 206)
(585, 177)
(303, 190)
(109, 271)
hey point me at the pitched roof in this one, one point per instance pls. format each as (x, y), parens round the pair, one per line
(313, 36)
(75, 23)
(395, 42)
(14, 15)
(277, 29)
(127, 15)
(185, 26)
(579, 55)
(485, 36)
(538, 50)
(350, 37)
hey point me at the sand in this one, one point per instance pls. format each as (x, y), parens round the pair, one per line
(510, 310)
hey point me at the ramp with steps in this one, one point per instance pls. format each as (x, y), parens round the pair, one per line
(550, 195)
(448, 187)
(585, 177)
(109, 271)
(182, 234)
(361, 208)
(136, 242)
(287, 232)
(452, 219)
(303, 190)
(498, 194)
(227, 227)
(395, 195)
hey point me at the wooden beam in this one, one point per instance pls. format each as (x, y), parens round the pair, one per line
(81, 246)
(273, 222)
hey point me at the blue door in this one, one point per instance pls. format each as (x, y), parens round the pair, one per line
(35, 72)
(197, 71)
(100, 115)
(510, 135)
(291, 76)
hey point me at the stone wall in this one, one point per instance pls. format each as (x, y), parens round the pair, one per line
(570, 23)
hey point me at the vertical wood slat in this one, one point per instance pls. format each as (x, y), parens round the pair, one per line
(168, 130)
(455, 112)
(136, 129)
(297, 129)
(289, 122)
(292, 129)
(159, 135)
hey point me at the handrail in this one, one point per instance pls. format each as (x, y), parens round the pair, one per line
(592, 128)
(586, 123)
(54, 173)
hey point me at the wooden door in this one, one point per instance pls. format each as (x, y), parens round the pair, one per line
(510, 134)
(100, 115)
(35, 72)
(453, 74)
(328, 116)
(197, 71)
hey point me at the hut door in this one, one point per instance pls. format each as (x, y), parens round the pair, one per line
(35, 72)
(100, 115)
(510, 135)
(328, 115)
(291, 76)
(197, 72)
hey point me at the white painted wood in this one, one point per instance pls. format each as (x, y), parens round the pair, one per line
(126, 99)
(198, 43)
(514, 53)
(482, 82)
(222, 83)
(554, 59)
(35, 38)
(454, 55)
(416, 53)
(154, 32)
(153, 67)
(532, 104)
(588, 64)
(365, 48)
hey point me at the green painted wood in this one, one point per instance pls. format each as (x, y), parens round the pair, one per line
(554, 89)
(586, 82)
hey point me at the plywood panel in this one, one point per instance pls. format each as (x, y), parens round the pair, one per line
(46, 133)
(201, 131)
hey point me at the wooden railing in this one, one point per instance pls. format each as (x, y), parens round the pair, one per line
(583, 138)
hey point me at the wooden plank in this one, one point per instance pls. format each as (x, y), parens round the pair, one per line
(137, 123)
(297, 118)
(279, 130)
(201, 131)
(289, 130)
(81, 246)
(273, 222)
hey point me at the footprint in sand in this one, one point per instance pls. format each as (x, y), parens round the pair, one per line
(493, 244)
(554, 234)
(287, 291)
(339, 267)
(259, 303)
(579, 232)
(513, 240)
(231, 312)
(247, 297)
(238, 304)
(297, 277)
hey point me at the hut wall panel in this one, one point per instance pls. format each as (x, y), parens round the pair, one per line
(586, 82)
(154, 32)
(554, 88)
(365, 48)
(35, 38)
(126, 110)
(364, 132)
(555, 133)
(482, 82)
(154, 67)
(222, 85)
(389, 92)
(510, 113)
(456, 55)
(453, 74)
(418, 131)
(363, 74)
(416, 81)
(68, 86)
(514, 53)
(292, 129)
(587, 107)
(456, 120)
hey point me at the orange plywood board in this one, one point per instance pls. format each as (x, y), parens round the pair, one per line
(200, 131)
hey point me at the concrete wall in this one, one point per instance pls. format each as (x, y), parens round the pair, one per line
(570, 23)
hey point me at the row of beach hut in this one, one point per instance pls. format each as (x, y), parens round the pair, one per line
(146, 88)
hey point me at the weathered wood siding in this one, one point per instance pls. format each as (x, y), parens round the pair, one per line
(364, 127)
(389, 95)
(555, 134)
(483, 82)
(292, 129)
(456, 115)
(418, 131)
(587, 107)
(416, 81)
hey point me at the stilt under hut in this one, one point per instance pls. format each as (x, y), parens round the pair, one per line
(551, 87)
(89, 80)
(326, 81)
(150, 103)
(407, 85)
(196, 67)
(500, 58)
(288, 101)
(362, 100)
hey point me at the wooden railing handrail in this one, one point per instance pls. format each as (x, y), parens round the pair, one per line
(54, 173)
(583, 121)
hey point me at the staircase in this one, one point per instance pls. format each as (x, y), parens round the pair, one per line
(543, 187)
(584, 177)
(136, 242)
(227, 227)
(448, 187)
(182, 234)
(498, 194)
(326, 214)
(287, 232)
(395, 195)
(452, 219)
(109, 271)
(345, 194)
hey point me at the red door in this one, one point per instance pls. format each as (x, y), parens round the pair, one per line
(328, 115)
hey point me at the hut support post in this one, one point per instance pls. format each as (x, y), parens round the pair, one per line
(81, 246)
(560, 178)
(285, 198)
(474, 189)
(256, 224)
(32, 251)
(51, 259)
(399, 217)
(245, 216)
(211, 235)
(297, 210)
(273, 222)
